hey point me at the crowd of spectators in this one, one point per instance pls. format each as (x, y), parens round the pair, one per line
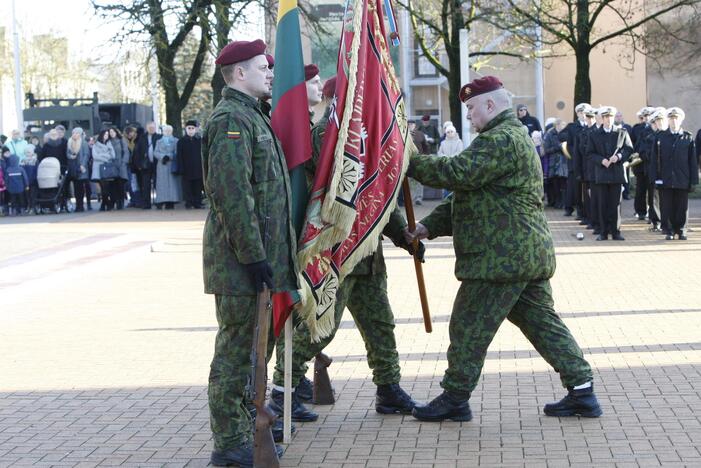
(133, 168)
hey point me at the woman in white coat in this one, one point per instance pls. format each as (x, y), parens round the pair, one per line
(168, 185)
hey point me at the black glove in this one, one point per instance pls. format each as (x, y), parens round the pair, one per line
(410, 248)
(165, 159)
(261, 274)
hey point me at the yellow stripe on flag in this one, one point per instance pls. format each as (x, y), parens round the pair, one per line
(284, 7)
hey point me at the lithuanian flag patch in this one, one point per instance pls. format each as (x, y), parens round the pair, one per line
(233, 135)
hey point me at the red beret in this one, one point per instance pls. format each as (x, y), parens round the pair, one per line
(310, 71)
(426, 118)
(271, 60)
(329, 88)
(480, 86)
(238, 51)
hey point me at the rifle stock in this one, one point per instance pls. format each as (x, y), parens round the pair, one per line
(322, 390)
(411, 221)
(264, 453)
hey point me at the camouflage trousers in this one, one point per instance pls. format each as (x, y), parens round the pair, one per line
(230, 370)
(480, 308)
(366, 299)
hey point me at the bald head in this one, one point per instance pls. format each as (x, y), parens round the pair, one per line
(483, 108)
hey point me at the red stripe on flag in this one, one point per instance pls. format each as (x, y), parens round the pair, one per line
(282, 308)
(293, 132)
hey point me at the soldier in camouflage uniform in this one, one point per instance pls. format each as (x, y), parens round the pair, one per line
(364, 292)
(505, 255)
(248, 237)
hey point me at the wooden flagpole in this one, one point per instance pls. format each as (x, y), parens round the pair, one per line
(411, 221)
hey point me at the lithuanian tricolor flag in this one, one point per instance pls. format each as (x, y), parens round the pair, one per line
(290, 121)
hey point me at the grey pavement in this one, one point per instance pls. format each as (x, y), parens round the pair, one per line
(106, 339)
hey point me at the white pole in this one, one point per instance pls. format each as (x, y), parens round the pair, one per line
(287, 415)
(18, 72)
(407, 61)
(464, 79)
(539, 106)
(155, 103)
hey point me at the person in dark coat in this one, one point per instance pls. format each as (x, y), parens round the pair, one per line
(675, 173)
(609, 148)
(17, 184)
(56, 147)
(637, 135)
(424, 147)
(618, 122)
(430, 132)
(584, 170)
(657, 123)
(557, 167)
(29, 164)
(142, 162)
(122, 155)
(527, 119)
(189, 155)
(573, 196)
(78, 155)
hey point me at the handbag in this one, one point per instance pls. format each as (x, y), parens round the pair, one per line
(109, 170)
(175, 165)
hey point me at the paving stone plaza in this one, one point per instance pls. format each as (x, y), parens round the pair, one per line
(106, 339)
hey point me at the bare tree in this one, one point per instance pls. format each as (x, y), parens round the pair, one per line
(436, 25)
(578, 27)
(166, 25)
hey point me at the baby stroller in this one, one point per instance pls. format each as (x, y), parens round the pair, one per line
(51, 186)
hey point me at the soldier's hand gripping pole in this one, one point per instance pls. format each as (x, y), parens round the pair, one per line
(264, 453)
(411, 221)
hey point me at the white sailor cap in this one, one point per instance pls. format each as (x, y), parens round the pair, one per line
(676, 112)
(659, 113)
(607, 110)
(580, 107)
(646, 111)
(590, 111)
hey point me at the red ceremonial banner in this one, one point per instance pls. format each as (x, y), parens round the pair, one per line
(361, 165)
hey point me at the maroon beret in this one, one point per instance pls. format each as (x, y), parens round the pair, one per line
(310, 71)
(271, 60)
(426, 118)
(329, 88)
(480, 86)
(238, 51)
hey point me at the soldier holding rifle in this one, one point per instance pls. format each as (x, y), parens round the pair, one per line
(246, 181)
(505, 255)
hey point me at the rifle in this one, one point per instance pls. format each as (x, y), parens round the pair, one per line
(264, 450)
(417, 262)
(322, 391)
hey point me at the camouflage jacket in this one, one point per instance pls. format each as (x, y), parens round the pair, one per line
(375, 263)
(496, 215)
(246, 181)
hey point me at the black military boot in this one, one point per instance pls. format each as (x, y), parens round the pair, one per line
(581, 402)
(238, 456)
(392, 399)
(277, 429)
(304, 389)
(445, 406)
(300, 413)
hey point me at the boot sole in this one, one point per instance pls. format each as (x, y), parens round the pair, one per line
(215, 461)
(382, 409)
(456, 418)
(595, 413)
